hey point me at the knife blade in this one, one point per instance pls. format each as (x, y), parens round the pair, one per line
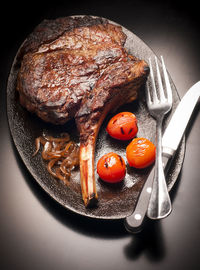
(178, 123)
(170, 142)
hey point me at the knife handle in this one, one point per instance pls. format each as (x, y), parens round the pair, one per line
(133, 223)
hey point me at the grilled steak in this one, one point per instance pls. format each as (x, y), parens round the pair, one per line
(78, 67)
(54, 76)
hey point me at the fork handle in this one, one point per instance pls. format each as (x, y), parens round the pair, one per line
(134, 223)
(159, 203)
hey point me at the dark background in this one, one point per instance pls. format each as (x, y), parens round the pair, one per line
(37, 233)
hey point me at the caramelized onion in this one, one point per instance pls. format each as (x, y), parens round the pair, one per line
(61, 153)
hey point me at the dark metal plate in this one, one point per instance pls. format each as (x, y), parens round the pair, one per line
(115, 201)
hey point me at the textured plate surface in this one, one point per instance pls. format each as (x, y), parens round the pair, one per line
(115, 201)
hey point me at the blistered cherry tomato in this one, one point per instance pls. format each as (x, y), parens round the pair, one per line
(111, 168)
(123, 126)
(140, 153)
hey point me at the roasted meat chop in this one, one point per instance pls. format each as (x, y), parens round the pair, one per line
(55, 76)
(78, 67)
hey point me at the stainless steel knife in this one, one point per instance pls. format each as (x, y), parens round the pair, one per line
(170, 142)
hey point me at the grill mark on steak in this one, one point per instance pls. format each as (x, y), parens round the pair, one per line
(78, 67)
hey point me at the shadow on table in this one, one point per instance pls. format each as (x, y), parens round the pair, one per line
(151, 240)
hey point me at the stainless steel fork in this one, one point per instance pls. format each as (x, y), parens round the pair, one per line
(159, 103)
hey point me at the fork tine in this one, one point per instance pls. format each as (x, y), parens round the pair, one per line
(160, 86)
(154, 93)
(148, 96)
(167, 83)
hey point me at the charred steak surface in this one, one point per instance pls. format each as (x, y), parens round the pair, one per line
(55, 75)
(78, 67)
(62, 61)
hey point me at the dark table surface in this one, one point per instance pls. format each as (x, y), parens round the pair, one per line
(36, 232)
